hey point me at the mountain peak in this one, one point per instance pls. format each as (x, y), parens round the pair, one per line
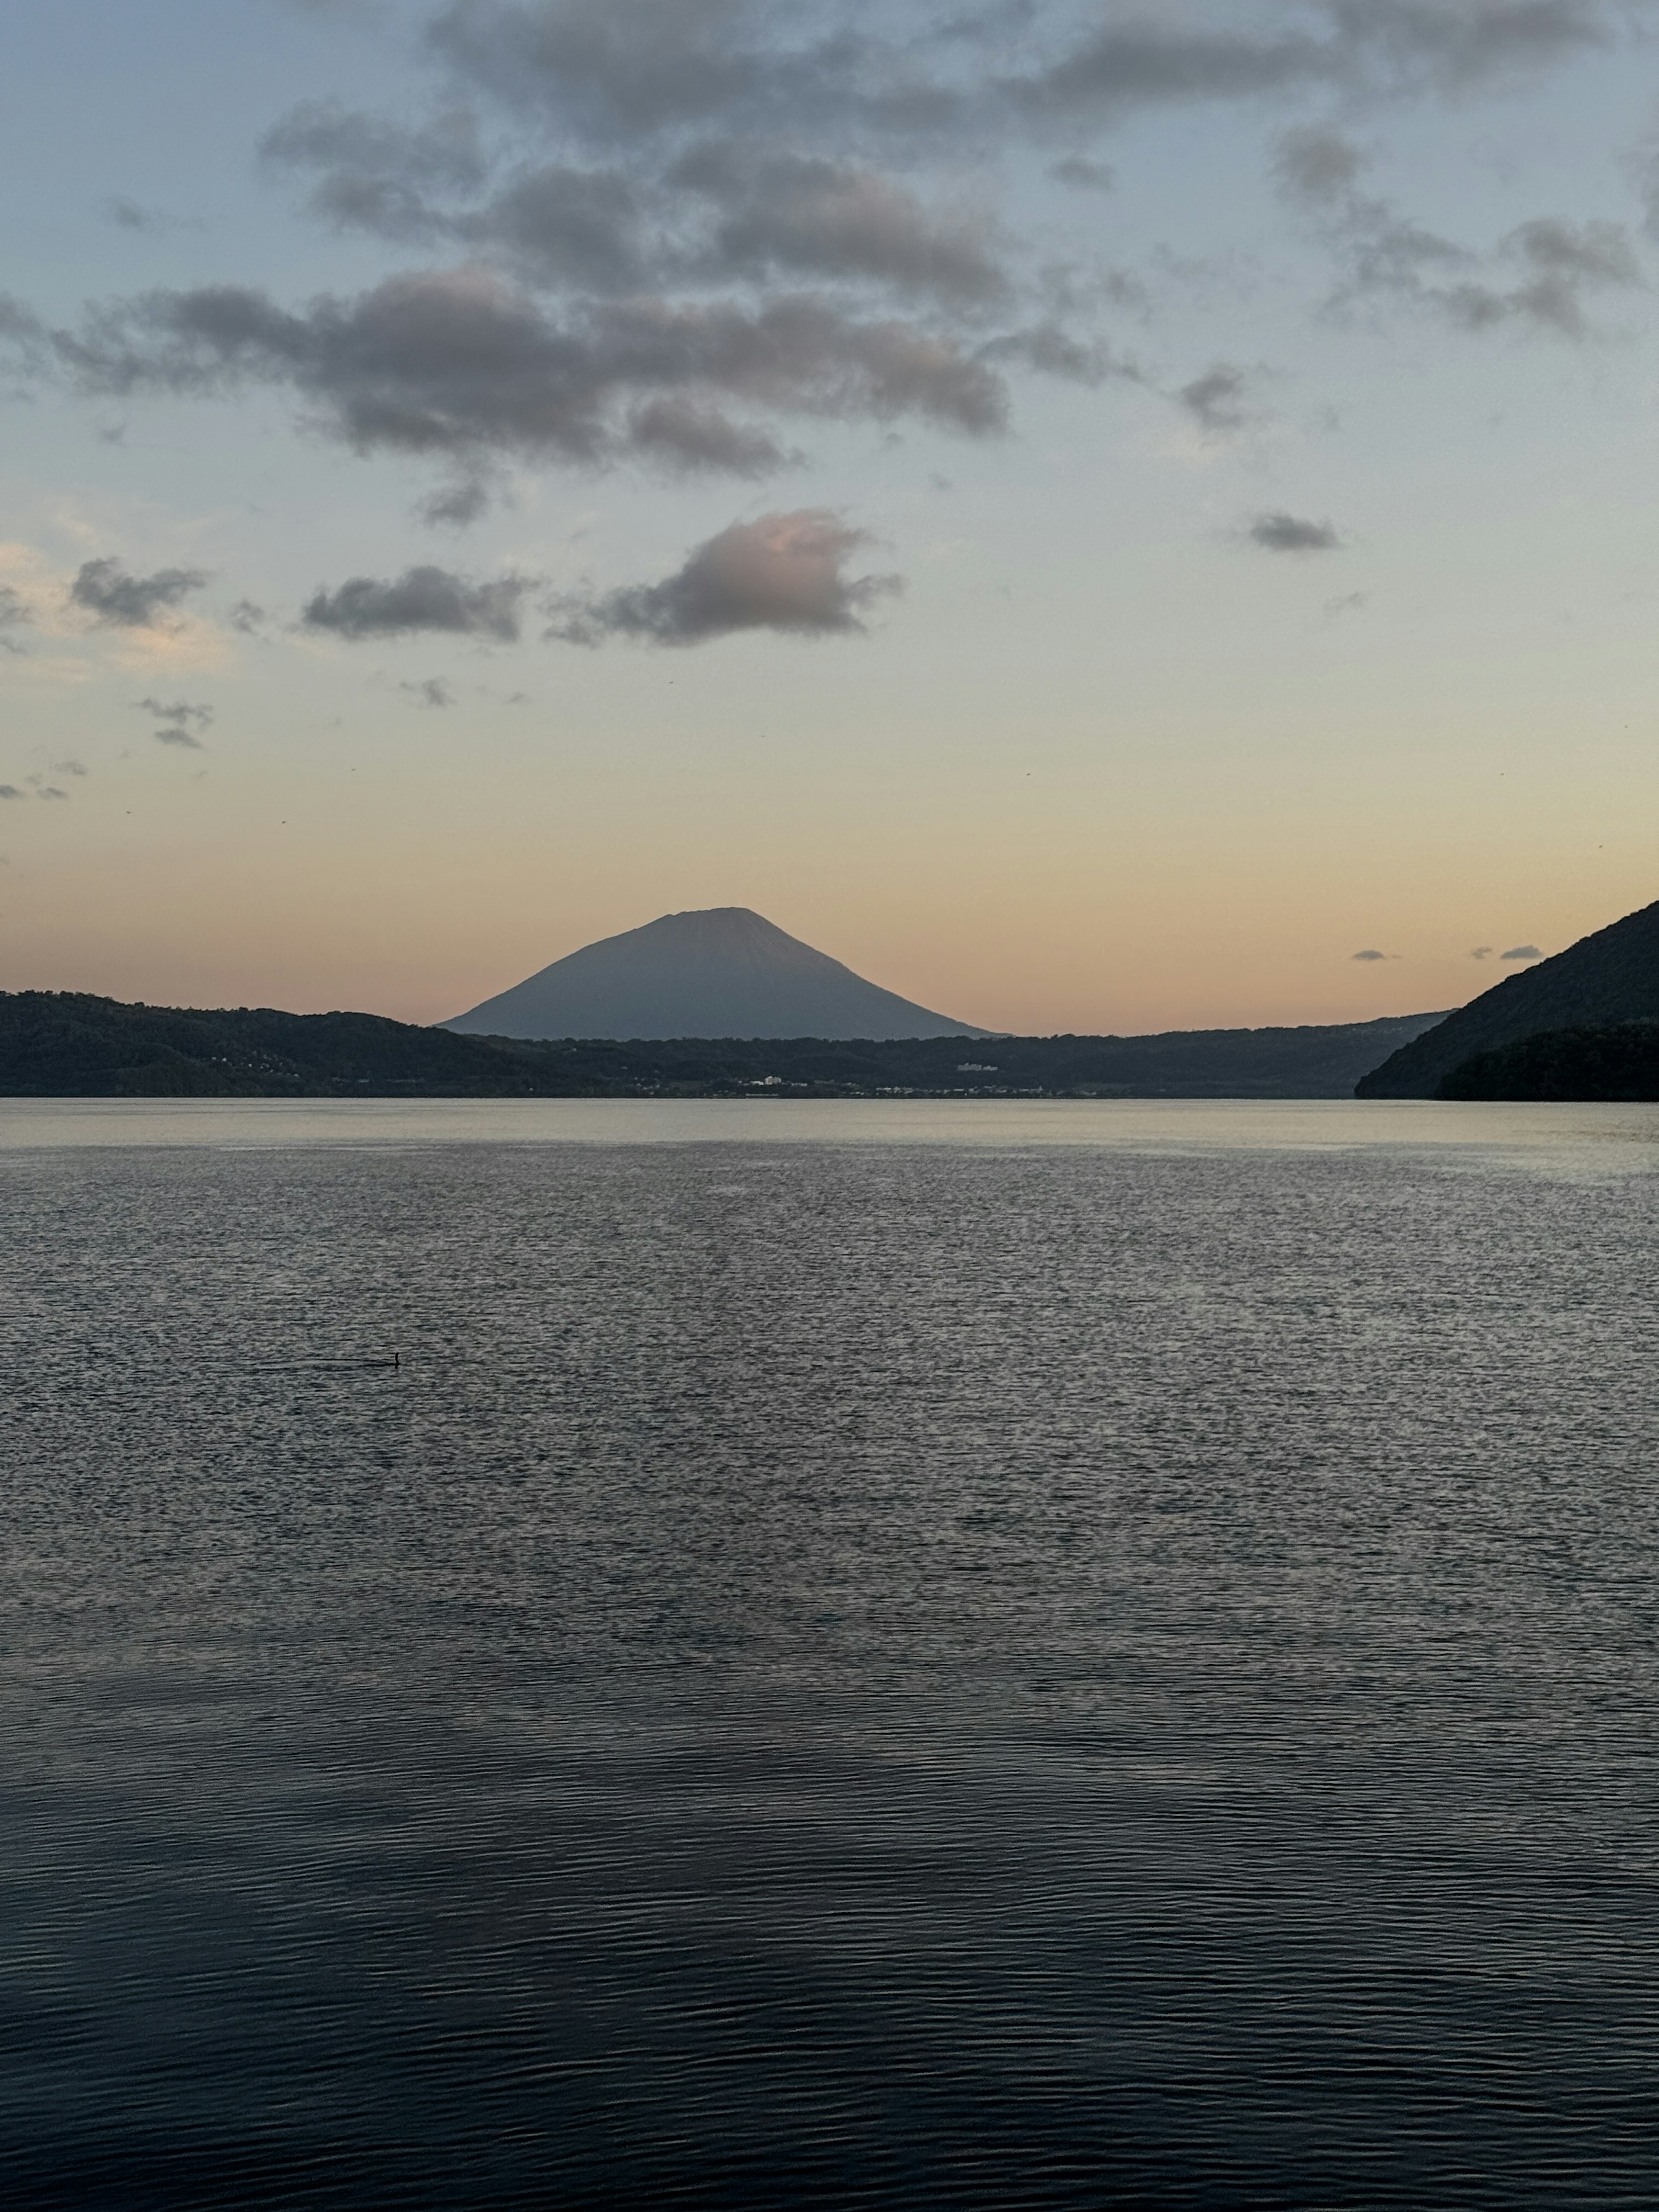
(721, 972)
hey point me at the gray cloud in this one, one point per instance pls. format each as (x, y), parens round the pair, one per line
(610, 73)
(458, 362)
(1555, 263)
(14, 615)
(1218, 400)
(1371, 953)
(422, 599)
(455, 505)
(178, 723)
(806, 216)
(683, 223)
(1084, 175)
(1280, 532)
(121, 600)
(1521, 953)
(431, 691)
(247, 617)
(782, 572)
(9, 791)
(1481, 953)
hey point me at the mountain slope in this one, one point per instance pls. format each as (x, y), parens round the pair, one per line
(1619, 1061)
(1611, 976)
(69, 1044)
(722, 972)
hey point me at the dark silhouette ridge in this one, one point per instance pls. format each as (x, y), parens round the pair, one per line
(720, 971)
(68, 1044)
(1608, 977)
(1615, 1063)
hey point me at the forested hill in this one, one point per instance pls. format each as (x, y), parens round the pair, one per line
(64, 1044)
(1610, 977)
(1619, 1062)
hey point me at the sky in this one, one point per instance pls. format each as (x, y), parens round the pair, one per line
(1103, 518)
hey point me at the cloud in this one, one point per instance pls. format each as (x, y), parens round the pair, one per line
(1537, 278)
(1521, 953)
(1371, 953)
(9, 791)
(782, 572)
(433, 691)
(1084, 175)
(1481, 953)
(454, 506)
(127, 215)
(806, 216)
(458, 363)
(422, 599)
(1218, 400)
(665, 230)
(14, 615)
(177, 724)
(70, 767)
(121, 600)
(1278, 532)
(247, 617)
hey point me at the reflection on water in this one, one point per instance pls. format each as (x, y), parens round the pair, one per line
(1049, 1668)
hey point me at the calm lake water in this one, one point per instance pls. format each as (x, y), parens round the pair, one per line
(1089, 1655)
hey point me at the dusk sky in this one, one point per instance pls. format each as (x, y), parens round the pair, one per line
(1102, 518)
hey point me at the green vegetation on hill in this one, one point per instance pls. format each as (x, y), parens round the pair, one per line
(67, 1044)
(1610, 977)
(1615, 1062)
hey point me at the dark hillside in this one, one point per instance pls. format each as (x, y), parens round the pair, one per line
(69, 1044)
(65, 1044)
(1612, 977)
(1619, 1063)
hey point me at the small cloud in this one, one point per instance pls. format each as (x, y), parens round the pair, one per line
(247, 617)
(9, 791)
(1316, 165)
(130, 214)
(1481, 952)
(422, 599)
(1350, 603)
(70, 767)
(1521, 953)
(1086, 176)
(1371, 953)
(782, 572)
(433, 692)
(176, 724)
(1217, 400)
(46, 790)
(1280, 532)
(121, 600)
(453, 507)
(14, 615)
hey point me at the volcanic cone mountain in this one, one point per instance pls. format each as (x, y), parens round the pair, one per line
(1610, 977)
(722, 972)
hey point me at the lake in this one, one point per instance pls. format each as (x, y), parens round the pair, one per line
(1070, 1654)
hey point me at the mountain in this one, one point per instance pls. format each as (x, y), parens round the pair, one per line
(1620, 1061)
(62, 1044)
(69, 1044)
(722, 972)
(1611, 977)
